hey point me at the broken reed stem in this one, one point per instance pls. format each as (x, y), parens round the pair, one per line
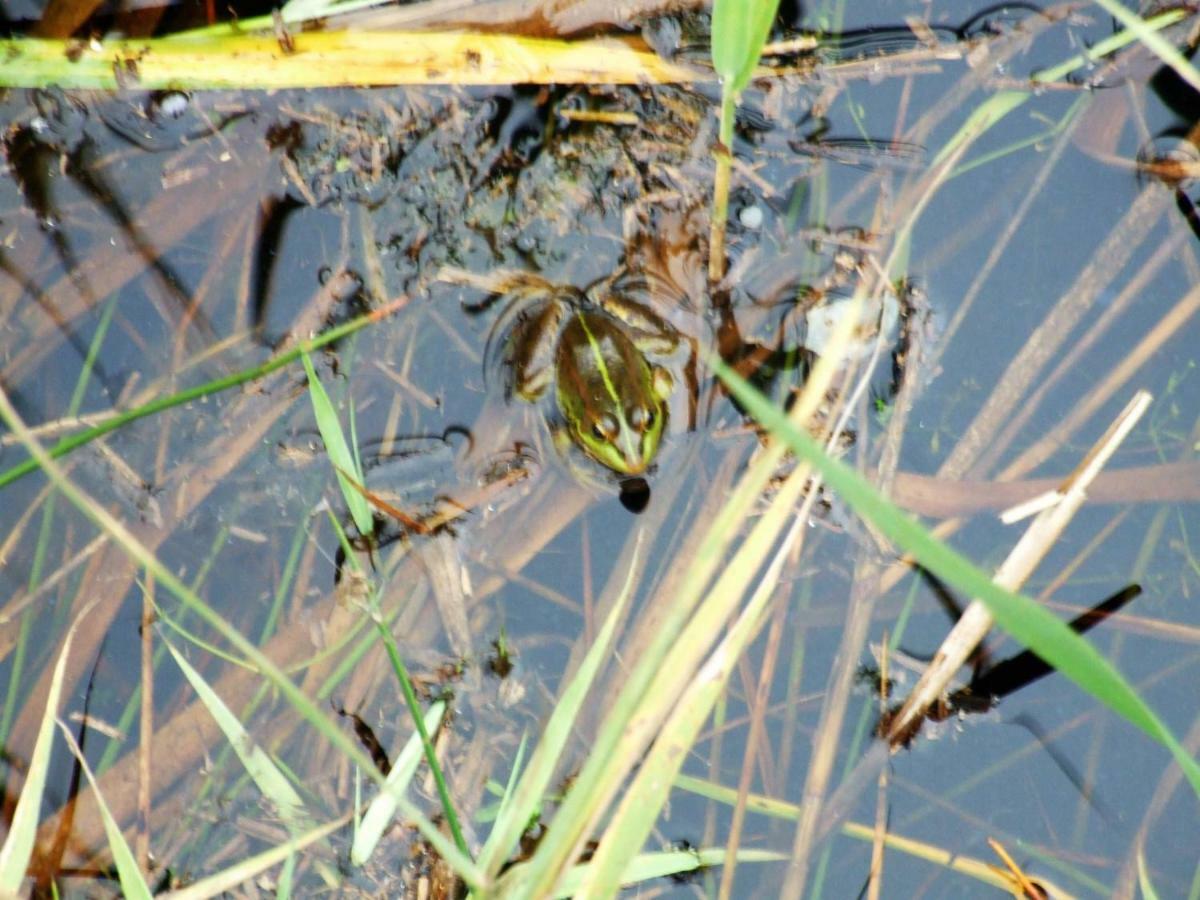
(720, 208)
(1033, 546)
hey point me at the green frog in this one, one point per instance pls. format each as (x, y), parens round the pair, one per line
(603, 353)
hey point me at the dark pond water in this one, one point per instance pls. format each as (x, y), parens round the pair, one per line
(189, 237)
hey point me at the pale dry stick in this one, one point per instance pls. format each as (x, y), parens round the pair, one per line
(439, 557)
(975, 622)
(21, 600)
(16, 535)
(762, 694)
(55, 427)
(829, 725)
(875, 883)
(553, 16)
(1026, 367)
(1068, 364)
(146, 727)
(216, 270)
(1166, 328)
(928, 495)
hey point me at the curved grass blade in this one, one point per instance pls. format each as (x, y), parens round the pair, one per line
(133, 885)
(340, 456)
(22, 831)
(259, 766)
(382, 809)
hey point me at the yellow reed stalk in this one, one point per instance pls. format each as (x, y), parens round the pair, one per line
(332, 59)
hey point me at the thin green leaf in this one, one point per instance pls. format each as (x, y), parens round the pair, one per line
(121, 419)
(999, 105)
(133, 885)
(1025, 620)
(339, 450)
(414, 708)
(382, 809)
(1148, 35)
(510, 786)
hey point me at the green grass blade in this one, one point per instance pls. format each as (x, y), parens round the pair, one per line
(259, 766)
(542, 765)
(382, 809)
(1148, 35)
(739, 31)
(188, 395)
(1144, 883)
(1025, 620)
(22, 830)
(340, 456)
(510, 786)
(133, 885)
(414, 708)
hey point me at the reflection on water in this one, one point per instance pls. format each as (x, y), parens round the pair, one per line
(154, 242)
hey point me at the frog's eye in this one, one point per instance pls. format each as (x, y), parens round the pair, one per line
(642, 418)
(604, 428)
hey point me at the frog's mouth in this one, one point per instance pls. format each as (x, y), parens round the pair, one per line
(634, 494)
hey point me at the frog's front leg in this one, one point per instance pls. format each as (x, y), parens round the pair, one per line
(532, 343)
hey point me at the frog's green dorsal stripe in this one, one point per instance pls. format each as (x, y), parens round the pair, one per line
(609, 386)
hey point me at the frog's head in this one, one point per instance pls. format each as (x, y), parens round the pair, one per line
(612, 400)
